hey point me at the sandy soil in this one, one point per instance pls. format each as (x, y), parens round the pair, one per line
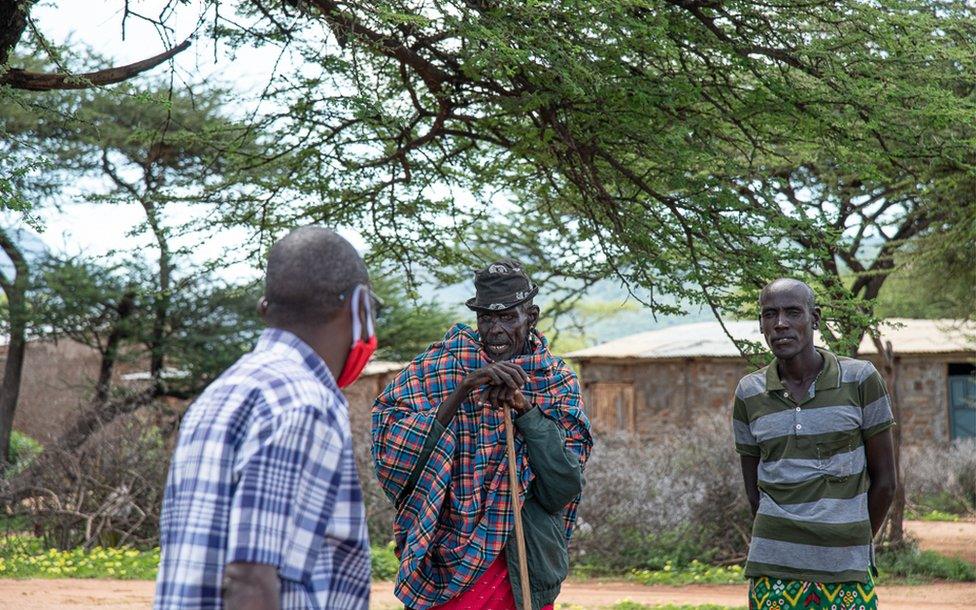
(957, 539)
(951, 538)
(137, 595)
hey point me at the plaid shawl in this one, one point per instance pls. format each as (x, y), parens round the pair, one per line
(457, 518)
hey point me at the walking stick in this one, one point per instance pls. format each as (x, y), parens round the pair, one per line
(513, 480)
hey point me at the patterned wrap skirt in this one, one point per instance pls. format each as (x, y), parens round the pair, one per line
(782, 594)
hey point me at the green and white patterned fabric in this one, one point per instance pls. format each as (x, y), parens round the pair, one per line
(812, 524)
(778, 594)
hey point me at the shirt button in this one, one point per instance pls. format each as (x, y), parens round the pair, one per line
(798, 426)
(798, 409)
(786, 394)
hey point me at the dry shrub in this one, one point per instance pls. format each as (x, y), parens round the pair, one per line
(940, 477)
(675, 499)
(379, 509)
(107, 493)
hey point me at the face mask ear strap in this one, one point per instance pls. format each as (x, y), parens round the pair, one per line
(369, 313)
(357, 327)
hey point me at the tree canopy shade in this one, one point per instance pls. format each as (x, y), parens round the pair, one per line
(651, 141)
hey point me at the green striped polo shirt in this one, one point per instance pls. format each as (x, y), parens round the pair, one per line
(812, 522)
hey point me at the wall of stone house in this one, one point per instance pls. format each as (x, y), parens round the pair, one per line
(669, 394)
(58, 378)
(923, 394)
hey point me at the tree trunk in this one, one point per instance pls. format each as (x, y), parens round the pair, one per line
(893, 531)
(12, 373)
(13, 22)
(16, 291)
(110, 355)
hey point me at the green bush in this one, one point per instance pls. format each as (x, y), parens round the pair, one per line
(917, 566)
(933, 515)
(694, 572)
(23, 450)
(25, 557)
(385, 562)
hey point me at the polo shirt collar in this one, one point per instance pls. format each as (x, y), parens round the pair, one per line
(829, 377)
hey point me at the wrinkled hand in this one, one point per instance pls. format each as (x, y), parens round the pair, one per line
(496, 374)
(510, 399)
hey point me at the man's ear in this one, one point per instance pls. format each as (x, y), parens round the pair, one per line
(533, 311)
(262, 306)
(816, 317)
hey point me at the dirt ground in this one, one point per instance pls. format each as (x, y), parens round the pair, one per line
(956, 539)
(951, 538)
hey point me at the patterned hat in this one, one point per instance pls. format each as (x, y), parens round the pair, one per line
(501, 285)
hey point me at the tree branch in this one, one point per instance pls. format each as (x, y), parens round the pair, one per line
(38, 81)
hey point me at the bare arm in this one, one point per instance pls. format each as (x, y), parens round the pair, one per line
(251, 586)
(750, 476)
(880, 454)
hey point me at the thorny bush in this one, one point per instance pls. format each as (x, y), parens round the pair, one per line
(107, 493)
(941, 478)
(672, 499)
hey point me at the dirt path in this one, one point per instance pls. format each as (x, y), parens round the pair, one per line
(137, 595)
(953, 538)
(957, 539)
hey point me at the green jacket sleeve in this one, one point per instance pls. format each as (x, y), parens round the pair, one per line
(558, 475)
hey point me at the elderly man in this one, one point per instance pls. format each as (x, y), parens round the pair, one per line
(263, 508)
(439, 452)
(813, 432)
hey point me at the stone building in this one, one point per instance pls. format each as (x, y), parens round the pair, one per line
(657, 382)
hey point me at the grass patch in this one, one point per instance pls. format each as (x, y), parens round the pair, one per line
(25, 557)
(933, 515)
(911, 566)
(695, 572)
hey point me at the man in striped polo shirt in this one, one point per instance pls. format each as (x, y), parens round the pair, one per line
(813, 433)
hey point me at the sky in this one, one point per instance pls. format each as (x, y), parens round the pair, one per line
(94, 229)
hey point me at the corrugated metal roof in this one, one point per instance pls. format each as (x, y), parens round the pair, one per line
(707, 339)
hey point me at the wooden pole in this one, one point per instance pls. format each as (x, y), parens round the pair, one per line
(513, 480)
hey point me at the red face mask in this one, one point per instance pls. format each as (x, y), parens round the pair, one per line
(361, 350)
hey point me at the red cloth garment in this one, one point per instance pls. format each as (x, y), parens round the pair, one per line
(490, 592)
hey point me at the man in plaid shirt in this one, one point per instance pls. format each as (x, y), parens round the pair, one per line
(263, 507)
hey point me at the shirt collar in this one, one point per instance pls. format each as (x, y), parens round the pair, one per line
(829, 377)
(287, 345)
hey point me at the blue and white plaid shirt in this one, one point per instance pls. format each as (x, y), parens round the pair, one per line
(263, 472)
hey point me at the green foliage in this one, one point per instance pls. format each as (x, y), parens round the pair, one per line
(385, 562)
(933, 515)
(23, 450)
(25, 557)
(915, 566)
(406, 325)
(693, 150)
(695, 572)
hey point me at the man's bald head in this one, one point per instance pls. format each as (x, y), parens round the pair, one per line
(307, 271)
(786, 284)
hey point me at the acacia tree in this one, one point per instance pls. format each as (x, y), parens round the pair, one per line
(653, 143)
(150, 147)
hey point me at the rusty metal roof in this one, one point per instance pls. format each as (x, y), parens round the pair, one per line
(707, 339)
